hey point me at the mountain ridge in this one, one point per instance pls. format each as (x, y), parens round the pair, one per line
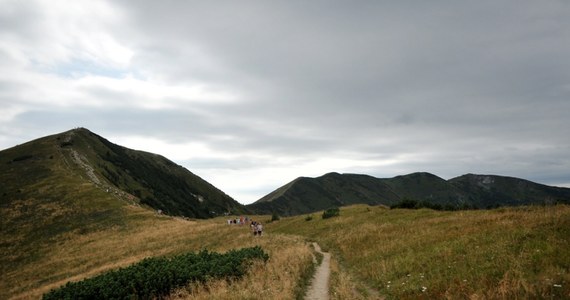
(148, 179)
(306, 194)
(138, 177)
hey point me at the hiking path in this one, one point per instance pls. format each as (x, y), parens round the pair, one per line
(319, 289)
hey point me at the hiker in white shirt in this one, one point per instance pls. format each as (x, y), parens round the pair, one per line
(259, 229)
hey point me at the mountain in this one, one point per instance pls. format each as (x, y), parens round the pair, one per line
(422, 186)
(493, 190)
(305, 195)
(76, 196)
(78, 168)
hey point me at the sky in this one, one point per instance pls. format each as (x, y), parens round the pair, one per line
(250, 95)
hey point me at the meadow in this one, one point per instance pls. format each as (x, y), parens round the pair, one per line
(73, 256)
(505, 253)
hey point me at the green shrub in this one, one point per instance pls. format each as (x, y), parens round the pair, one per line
(155, 277)
(22, 158)
(331, 212)
(406, 203)
(275, 217)
(414, 204)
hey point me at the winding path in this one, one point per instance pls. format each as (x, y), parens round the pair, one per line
(319, 289)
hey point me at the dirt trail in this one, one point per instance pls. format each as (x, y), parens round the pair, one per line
(319, 289)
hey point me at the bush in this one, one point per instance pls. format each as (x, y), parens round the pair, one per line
(22, 158)
(155, 277)
(406, 203)
(331, 212)
(413, 204)
(275, 217)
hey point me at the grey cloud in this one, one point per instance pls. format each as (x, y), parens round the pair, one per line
(365, 60)
(452, 87)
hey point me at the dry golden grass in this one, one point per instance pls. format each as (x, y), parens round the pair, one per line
(277, 279)
(344, 285)
(76, 256)
(498, 254)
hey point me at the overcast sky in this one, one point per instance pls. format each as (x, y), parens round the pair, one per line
(252, 94)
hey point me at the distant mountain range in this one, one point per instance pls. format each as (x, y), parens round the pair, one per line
(305, 195)
(58, 170)
(78, 176)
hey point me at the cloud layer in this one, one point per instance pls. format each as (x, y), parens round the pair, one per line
(250, 95)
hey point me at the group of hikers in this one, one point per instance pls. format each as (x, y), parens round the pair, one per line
(256, 227)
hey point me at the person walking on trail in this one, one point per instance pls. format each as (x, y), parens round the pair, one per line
(259, 229)
(254, 228)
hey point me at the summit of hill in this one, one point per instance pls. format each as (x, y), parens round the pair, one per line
(79, 174)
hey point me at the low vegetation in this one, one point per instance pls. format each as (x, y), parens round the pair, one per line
(331, 212)
(275, 217)
(377, 252)
(505, 253)
(305, 279)
(157, 276)
(414, 204)
(75, 256)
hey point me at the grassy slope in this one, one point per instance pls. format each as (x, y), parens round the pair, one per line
(46, 200)
(512, 252)
(57, 222)
(73, 256)
(79, 158)
(160, 183)
(157, 181)
(504, 253)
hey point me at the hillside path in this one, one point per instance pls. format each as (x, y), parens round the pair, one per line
(319, 289)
